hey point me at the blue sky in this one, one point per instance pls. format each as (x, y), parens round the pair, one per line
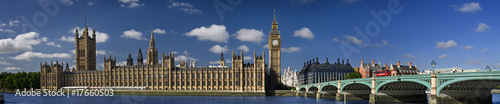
(457, 33)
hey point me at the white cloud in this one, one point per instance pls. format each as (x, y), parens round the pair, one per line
(304, 33)
(3, 24)
(214, 62)
(216, 33)
(291, 49)
(353, 39)
(12, 68)
(91, 3)
(100, 52)
(184, 7)
(468, 47)
(100, 36)
(5, 63)
(443, 45)
(336, 40)
(184, 58)
(190, 10)
(7, 30)
(247, 58)
(266, 46)
(444, 56)
(481, 27)
(250, 35)
(159, 31)
(14, 22)
(218, 49)
(121, 63)
(409, 56)
(53, 44)
(484, 50)
(244, 48)
(131, 3)
(22, 42)
(471, 7)
(66, 2)
(26, 56)
(384, 43)
(133, 34)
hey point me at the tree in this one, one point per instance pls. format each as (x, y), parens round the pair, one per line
(353, 75)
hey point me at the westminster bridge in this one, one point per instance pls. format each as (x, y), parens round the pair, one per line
(445, 88)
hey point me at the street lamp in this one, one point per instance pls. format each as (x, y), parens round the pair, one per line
(488, 68)
(433, 63)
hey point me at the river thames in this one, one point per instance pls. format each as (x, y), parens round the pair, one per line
(133, 99)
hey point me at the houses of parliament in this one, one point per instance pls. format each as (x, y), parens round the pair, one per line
(165, 75)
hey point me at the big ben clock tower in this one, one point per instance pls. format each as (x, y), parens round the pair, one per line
(275, 55)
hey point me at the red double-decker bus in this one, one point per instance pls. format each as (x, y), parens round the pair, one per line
(383, 73)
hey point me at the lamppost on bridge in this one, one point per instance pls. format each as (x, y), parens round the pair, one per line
(488, 68)
(433, 63)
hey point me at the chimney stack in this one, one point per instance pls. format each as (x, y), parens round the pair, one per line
(342, 62)
(409, 64)
(399, 63)
(317, 61)
(373, 62)
(361, 61)
(326, 60)
(386, 66)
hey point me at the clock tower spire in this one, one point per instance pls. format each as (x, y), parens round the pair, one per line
(275, 55)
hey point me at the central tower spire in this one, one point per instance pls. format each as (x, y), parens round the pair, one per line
(152, 53)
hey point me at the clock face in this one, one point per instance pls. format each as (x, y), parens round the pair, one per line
(275, 42)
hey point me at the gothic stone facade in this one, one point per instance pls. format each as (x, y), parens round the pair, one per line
(239, 77)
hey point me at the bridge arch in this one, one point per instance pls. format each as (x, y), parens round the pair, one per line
(353, 83)
(313, 89)
(471, 80)
(425, 84)
(329, 87)
(302, 89)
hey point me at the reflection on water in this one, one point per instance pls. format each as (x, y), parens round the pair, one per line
(132, 99)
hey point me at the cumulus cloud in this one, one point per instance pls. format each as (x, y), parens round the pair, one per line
(215, 33)
(100, 36)
(484, 50)
(5, 63)
(185, 56)
(12, 68)
(14, 22)
(26, 56)
(214, 62)
(130, 3)
(352, 39)
(22, 42)
(250, 35)
(471, 7)
(444, 45)
(335, 40)
(247, 58)
(444, 56)
(266, 46)
(481, 27)
(184, 7)
(218, 49)
(384, 43)
(159, 31)
(291, 49)
(53, 44)
(133, 35)
(304, 33)
(91, 3)
(7, 30)
(468, 47)
(3, 24)
(409, 56)
(244, 48)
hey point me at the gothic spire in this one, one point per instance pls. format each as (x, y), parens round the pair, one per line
(274, 20)
(222, 56)
(152, 40)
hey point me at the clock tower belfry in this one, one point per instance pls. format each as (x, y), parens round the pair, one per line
(275, 55)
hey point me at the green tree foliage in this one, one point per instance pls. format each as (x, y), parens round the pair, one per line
(353, 75)
(20, 80)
